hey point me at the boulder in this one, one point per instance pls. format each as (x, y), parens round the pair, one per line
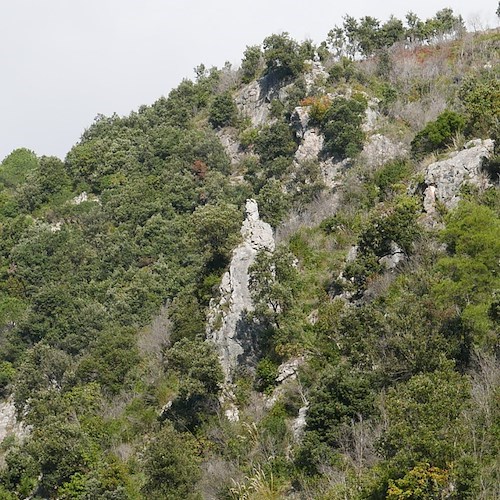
(444, 179)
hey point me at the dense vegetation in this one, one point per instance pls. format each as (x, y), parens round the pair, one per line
(103, 297)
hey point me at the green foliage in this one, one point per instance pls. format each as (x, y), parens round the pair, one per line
(398, 225)
(274, 141)
(422, 482)
(7, 374)
(470, 271)
(266, 373)
(274, 203)
(251, 62)
(16, 167)
(342, 127)
(200, 375)
(438, 134)
(480, 96)
(222, 112)
(282, 55)
(390, 174)
(274, 284)
(342, 396)
(171, 465)
(423, 420)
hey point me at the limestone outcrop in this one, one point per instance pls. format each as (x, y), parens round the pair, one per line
(443, 179)
(228, 327)
(9, 425)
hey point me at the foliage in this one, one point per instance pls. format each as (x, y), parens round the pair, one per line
(438, 134)
(282, 55)
(171, 465)
(104, 295)
(342, 127)
(423, 419)
(343, 396)
(480, 96)
(16, 167)
(422, 482)
(222, 111)
(250, 64)
(275, 141)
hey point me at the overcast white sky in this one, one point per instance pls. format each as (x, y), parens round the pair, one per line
(64, 61)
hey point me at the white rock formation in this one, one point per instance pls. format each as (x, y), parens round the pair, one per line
(310, 147)
(299, 424)
(8, 421)
(445, 178)
(316, 74)
(391, 260)
(379, 149)
(227, 326)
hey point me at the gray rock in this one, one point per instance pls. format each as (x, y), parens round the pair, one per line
(391, 260)
(227, 326)
(300, 120)
(311, 146)
(444, 178)
(231, 146)
(299, 424)
(251, 102)
(315, 75)
(9, 425)
(379, 149)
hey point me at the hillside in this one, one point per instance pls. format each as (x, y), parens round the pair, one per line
(279, 281)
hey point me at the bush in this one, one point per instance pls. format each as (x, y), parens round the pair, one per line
(437, 134)
(282, 55)
(251, 63)
(222, 111)
(342, 127)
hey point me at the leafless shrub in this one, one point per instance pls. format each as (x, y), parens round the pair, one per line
(217, 477)
(322, 207)
(358, 443)
(153, 340)
(229, 79)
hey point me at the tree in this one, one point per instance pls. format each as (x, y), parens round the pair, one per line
(15, 168)
(342, 396)
(437, 134)
(281, 55)
(251, 62)
(274, 284)
(223, 111)
(171, 465)
(342, 127)
(197, 365)
(423, 420)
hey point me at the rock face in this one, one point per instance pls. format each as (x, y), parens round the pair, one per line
(231, 146)
(444, 179)
(227, 325)
(379, 149)
(251, 102)
(8, 421)
(316, 74)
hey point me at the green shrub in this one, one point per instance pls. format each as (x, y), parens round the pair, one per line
(438, 134)
(223, 111)
(251, 62)
(342, 127)
(267, 371)
(282, 55)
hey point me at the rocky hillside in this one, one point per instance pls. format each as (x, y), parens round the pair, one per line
(280, 281)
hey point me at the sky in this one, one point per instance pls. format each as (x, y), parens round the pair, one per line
(63, 62)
